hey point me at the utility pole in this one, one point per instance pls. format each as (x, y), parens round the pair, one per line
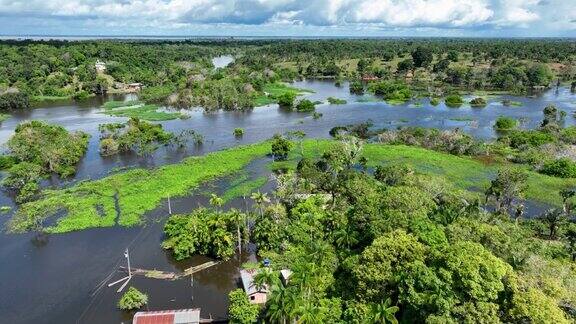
(169, 206)
(127, 278)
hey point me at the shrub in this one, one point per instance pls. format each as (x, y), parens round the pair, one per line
(305, 105)
(238, 132)
(336, 101)
(562, 168)
(286, 100)
(478, 102)
(434, 101)
(280, 147)
(14, 100)
(109, 146)
(505, 123)
(357, 87)
(454, 100)
(518, 138)
(7, 161)
(317, 115)
(240, 309)
(132, 299)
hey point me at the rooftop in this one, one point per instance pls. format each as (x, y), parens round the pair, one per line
(182, 316)
(248, 282)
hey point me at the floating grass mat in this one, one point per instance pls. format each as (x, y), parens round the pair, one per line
(140, 110)
(93, 203)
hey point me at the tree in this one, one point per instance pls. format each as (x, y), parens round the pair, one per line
(132, 299)
(260, 199)
(266, 278)
(508, 187)
(405, 65)
(570, 235)
(216, 201)
(286, 100)
(305, 105)
(383, 312)
(422, 56)
(14, 100)
(356, 87)
(554, 218)
(50, 146)
(240, 309)
(280, 147)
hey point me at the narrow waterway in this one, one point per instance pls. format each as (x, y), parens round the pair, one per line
(60, 274)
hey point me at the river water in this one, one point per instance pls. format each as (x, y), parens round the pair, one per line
(55, 279)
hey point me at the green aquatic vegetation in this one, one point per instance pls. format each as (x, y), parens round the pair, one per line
(137, 191)
(243, 188)
(276, 89)
(121, 104)
(435, 101)
(336, 101)
(238, 132)
(4, 117)
(454, 101)
(462, 119)
(511, 103)
(145, 112)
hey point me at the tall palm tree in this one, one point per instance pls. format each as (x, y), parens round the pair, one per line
(260, 199)
(281, 304)
(216, 201)
(383, 313)
(310, 313)
(240, 219)
(266, 277)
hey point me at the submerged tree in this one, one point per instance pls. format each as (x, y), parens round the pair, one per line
(507, 189)
(132, 299)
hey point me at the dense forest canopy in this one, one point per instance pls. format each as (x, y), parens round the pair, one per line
(180, 73)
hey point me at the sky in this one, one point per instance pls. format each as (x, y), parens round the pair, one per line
(291, 18)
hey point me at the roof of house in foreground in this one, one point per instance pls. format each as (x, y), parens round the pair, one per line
(182, 316)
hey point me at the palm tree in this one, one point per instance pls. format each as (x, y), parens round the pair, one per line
(281, 304)
(383, 313)
(310, 313)
(216, 201)
(239, 218)
(260, 199)
(266, 277)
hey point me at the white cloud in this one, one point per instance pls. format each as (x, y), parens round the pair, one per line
(390, 14)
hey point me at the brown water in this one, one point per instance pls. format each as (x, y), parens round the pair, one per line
(55, 279)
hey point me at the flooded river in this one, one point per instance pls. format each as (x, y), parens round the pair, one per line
(56, 279)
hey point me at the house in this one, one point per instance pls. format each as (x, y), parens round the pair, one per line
(134, 87)
(100, 66)
(182, 316)
(255, 295)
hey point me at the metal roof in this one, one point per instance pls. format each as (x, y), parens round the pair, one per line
(182, 316)
(248, 282)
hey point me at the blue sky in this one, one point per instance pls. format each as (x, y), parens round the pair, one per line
(468, 18)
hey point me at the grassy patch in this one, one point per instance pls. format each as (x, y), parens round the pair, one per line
(50, 98)
(243, 188)
(277, 89)
(464, 172)
(92, 203)
(272, 91)
(139, 110)
(462, 119)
